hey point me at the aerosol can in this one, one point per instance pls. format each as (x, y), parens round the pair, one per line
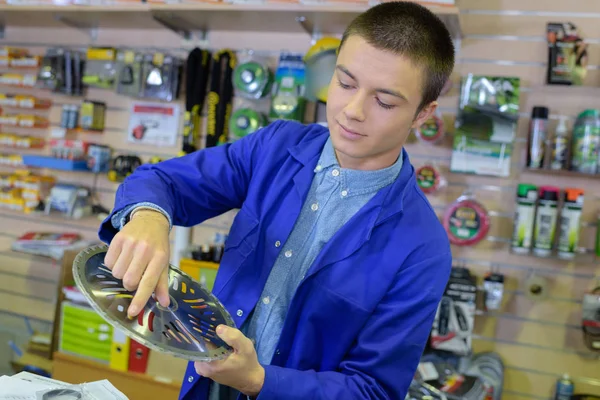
(564, 388)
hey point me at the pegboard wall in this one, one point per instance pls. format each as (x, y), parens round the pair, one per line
(538, 340)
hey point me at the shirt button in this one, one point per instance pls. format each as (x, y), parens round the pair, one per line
(190, 379)
(288, 253)
(266, 300)
(277, 243)
(240, 313)
(314, 207)
(344, 193)
(318, 168)
(335, 172)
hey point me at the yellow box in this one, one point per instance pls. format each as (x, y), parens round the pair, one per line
(204, 272)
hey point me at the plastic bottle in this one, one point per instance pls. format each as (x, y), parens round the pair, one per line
(570, 217)
(545, 222)
(537, 137)
(560, 146)
(524, 218)
(564, 388)
(586, 139)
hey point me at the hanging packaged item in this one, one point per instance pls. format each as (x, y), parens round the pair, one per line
(567, 54)
(220, 98)
(586, 142)
(100, 68)
(61, 71)
(432, 131)
(570, 223)
(252, 79)
(429, 178)
(128, 73)
(245, 121)
(493, 284)
(93, 114)
(486, 125)
(288, 95)
(545, 221)
(524, 218)
(453, 324)
(197, 73)
(466, 221)
(160, 77)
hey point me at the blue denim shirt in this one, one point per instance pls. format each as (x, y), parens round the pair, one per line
(336, 194)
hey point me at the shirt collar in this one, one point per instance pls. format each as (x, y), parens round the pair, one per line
(356, 182)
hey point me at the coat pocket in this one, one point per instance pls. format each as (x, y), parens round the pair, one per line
(242, 235)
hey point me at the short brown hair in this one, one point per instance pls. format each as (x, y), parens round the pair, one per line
(409, 29)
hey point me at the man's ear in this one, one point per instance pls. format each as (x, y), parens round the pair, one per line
(424, 114)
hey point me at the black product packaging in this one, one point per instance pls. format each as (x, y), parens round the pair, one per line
(453, 325)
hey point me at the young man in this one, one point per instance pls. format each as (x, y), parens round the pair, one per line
(335, 262)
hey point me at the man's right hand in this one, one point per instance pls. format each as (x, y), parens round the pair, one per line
(139, 255)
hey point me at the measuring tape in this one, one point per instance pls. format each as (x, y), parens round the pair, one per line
(220, 98)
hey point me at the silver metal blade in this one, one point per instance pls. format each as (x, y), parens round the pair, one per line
(185, 329)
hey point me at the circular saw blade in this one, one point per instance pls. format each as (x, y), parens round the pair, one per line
(185, 329)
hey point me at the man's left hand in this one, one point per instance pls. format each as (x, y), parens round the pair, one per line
(241, 369)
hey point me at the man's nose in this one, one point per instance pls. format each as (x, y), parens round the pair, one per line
(355, 109)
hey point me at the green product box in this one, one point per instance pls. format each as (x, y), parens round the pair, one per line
(486, 125)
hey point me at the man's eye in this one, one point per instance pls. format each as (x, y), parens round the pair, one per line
(343, 85)
(384, 105)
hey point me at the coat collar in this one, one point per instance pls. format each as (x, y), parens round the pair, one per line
(389, 200)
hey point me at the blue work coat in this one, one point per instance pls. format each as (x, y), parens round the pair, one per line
(359, 320)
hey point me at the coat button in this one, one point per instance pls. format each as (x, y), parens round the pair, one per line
(190, 379)
(240, 313)
(277, 243)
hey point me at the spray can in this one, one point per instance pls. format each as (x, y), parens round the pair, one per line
(560, 146)
(524, 218)
(586, 140)
(564, 388)
(545, 221)
(570, 217)
(537, 137)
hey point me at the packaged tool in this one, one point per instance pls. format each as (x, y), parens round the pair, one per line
(288, 95)
(493, 284)
(220, 98)
(123, 166)
(197, 72)
(100, 68)
(93, 114)
(567, 54)
(453, 324)
(128, 71)
(161, 75)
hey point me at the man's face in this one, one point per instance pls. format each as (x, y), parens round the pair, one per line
(371, 105)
